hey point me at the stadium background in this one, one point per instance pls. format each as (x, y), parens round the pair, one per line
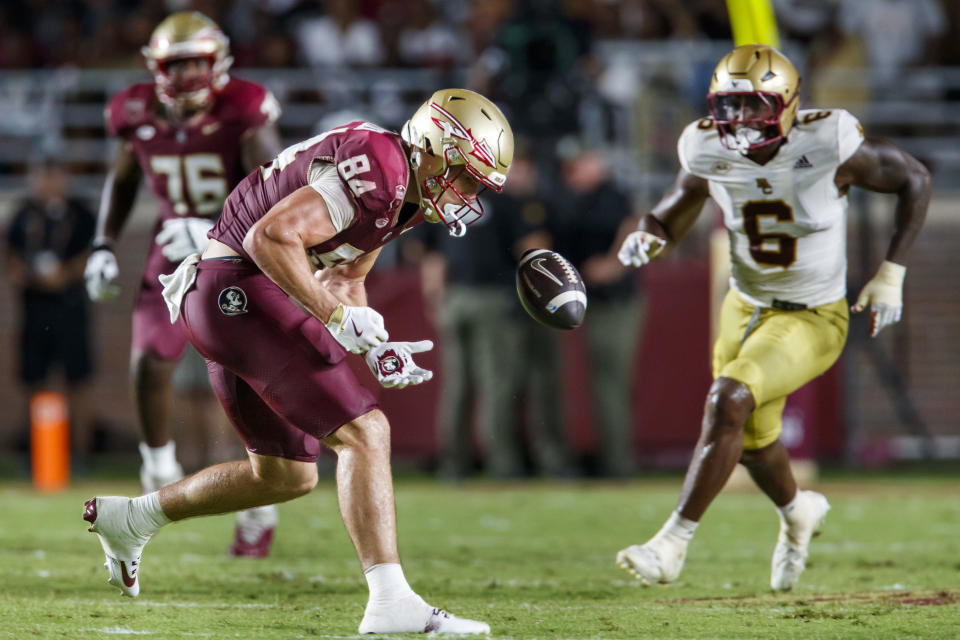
(626, 76)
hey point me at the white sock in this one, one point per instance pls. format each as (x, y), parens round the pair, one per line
(159, 457)
(146, 516)
(680, 527)
(387, 584)
(787, 508)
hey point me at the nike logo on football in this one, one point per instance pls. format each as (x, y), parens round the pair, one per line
(129, 579)
(355, 330)
(538, 265)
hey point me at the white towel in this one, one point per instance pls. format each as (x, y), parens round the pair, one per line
(176, 285)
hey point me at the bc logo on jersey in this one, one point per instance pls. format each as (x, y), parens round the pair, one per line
(232, 301)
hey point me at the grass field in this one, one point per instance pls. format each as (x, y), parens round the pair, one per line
(533, 560)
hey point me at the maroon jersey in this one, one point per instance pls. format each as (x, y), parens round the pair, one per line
(191, 168)
(373, 167)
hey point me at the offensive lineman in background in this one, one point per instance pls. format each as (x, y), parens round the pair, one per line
(781, 178)
(194, 133)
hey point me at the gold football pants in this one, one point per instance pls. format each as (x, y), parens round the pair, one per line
(781, 352)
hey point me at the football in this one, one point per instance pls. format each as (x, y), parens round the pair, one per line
(550, 289)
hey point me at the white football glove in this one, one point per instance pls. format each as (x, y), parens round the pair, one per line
(357, 329)
(639, 248)
(392, 363)
(884, 294)
(181, 237)
(100, 273)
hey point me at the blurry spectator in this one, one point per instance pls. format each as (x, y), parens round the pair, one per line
(534, 67)
(425, 41)
(493, 355)
(340, 38)
(46, 251)
(594, 217)
(897, 34)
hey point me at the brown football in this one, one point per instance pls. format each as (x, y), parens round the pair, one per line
(550, 289)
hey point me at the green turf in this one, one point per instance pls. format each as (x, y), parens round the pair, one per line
(535, 561)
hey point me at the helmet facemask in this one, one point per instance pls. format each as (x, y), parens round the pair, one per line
(747, 120)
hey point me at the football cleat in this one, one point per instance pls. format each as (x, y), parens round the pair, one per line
(443, 622)
(413, 615)
(254, 532)
(122, 547)
(796, 529)
(659, 560)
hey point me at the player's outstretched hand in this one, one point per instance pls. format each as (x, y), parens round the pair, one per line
(639, 248)
(181, 237)
(884, 295)
(357, 329)
(392, 363)
(100, 273)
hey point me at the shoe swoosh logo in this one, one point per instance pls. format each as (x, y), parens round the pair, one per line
(538, 266)
(355, 330)
(129, 579)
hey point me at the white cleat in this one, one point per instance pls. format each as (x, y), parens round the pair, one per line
(413, 615)
(796, 529)
(443, 622)
(659, 560)
(108, 519)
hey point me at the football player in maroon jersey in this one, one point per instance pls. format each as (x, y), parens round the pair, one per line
(194, 133)
(277, 301)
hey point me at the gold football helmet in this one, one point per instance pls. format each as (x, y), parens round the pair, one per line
(753, 97)
(457, 130)
(188, 34)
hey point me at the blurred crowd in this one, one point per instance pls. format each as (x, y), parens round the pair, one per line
(417, 33)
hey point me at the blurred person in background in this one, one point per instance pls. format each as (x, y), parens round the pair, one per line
(194, 133)
(493, 355)
(47, 246)
(784, 320)
(897, 36)
(594, 216)
(276, 303)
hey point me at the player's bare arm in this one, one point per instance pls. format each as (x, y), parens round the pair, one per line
(346, 281)
(277, 243)
(260, 146)
(882, 167)
(678, 209)
(668, 222)
(119, 193)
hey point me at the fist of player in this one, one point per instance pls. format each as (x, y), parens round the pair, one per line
(100, 273)
(181, 237)
(357, 329)
(639, 248)
(884, 295)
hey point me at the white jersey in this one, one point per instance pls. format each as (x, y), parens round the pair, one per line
(786, 219)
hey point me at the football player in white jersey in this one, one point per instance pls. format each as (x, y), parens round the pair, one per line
(780, 176)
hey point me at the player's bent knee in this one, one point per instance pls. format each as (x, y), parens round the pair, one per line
(370, 432)
(729, 403)
(292, 478)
